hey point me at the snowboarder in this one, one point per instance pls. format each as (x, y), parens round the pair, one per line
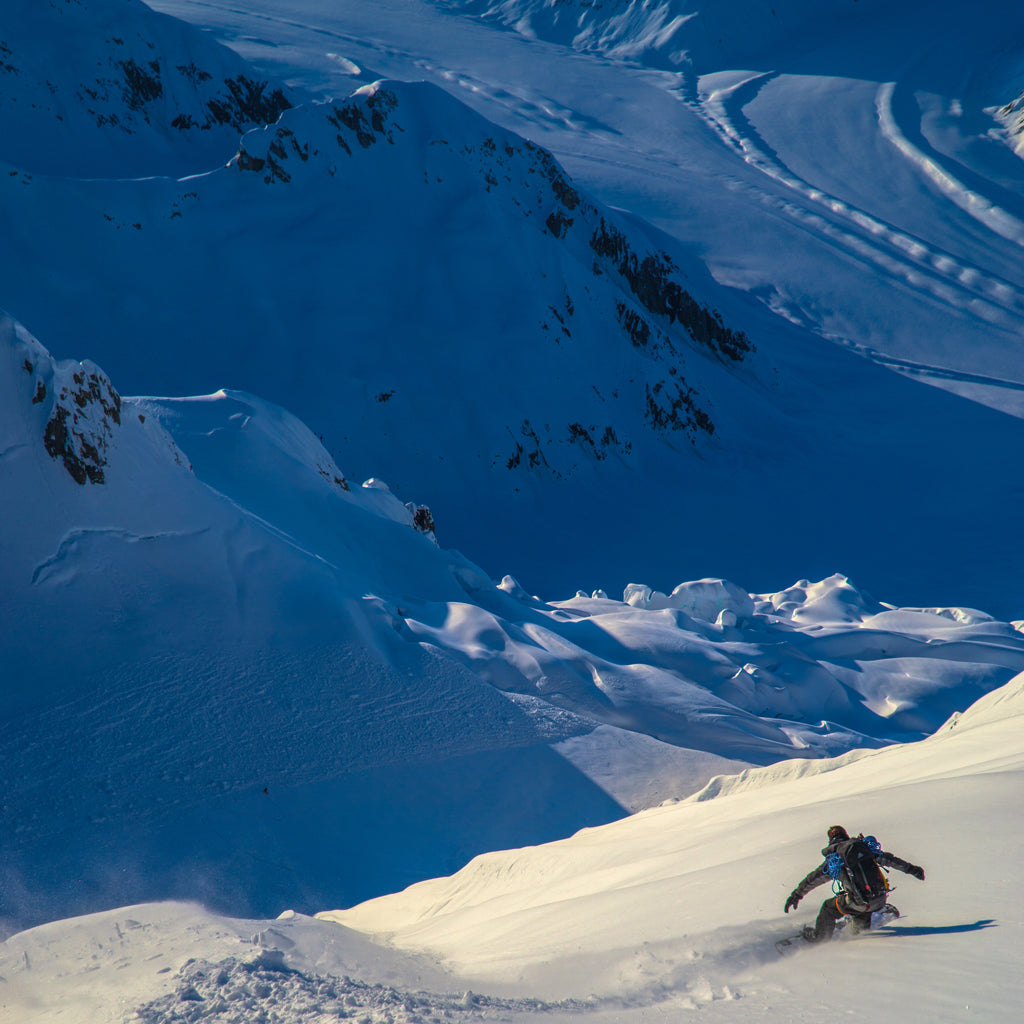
(855, 864)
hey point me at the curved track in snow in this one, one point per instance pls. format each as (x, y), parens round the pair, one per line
(890, 250)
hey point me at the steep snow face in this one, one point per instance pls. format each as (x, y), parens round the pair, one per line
(671, 911)
(109, 88)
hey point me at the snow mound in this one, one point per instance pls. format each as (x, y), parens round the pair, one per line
(718, 601)
(831, 600)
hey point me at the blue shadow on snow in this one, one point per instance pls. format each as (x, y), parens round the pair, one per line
(947, 929)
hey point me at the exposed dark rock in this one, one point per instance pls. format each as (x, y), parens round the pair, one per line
(5, 59)
(81, 424)
(141, 86)
(564, 192)
(367, 119)
(422, 518)
(250, 103)
(651, 281)
(194, 74)
(670, 406)
(638, 329)
(558, 224)
(246, 162)
(532, 452)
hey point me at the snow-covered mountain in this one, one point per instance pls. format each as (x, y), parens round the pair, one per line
(109, 88)
(210, 632)
(548, 355)
(612, 300)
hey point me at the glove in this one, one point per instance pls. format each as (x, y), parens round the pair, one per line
(792, 902)
(918, 873)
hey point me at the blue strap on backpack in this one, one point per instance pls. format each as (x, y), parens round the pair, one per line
(834, 866)
(873, 845)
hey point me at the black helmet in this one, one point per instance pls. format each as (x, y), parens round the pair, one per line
(837, 832)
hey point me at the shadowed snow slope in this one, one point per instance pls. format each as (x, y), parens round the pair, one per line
(109, 88)
(673, 910)
(184, 643)
(448, 309)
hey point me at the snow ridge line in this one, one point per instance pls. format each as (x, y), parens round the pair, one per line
(921, 266)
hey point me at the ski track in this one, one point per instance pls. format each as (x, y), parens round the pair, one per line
(983, 210)
(922, 267)
(911, 367)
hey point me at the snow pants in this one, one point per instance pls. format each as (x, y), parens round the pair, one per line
(832, 910)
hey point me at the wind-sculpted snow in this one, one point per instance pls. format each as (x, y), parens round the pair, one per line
(817, 668)
(108, 88)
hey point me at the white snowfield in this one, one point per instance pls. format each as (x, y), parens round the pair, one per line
(672, 910)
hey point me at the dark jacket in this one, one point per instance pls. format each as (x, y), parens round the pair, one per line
(820, 876)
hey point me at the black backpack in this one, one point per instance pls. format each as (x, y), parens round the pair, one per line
(853, 865)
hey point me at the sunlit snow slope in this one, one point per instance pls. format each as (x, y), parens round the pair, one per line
(672, 911)
(681, 904)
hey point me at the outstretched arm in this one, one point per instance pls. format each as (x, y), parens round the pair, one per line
(811, 881)
(888, 860)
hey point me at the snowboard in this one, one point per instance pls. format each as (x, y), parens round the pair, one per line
(805, 936)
